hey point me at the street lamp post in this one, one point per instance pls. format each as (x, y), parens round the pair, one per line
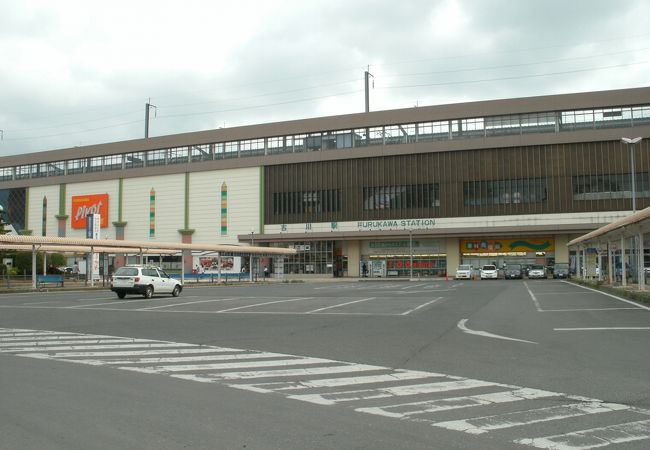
(631, 143)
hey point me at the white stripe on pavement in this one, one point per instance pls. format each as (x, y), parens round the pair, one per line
(480, 425)
(91, 347)
(216, 357)
(463, 327)
(405, 410)
(228, 366)
(593, 438)
(341, 304)
(185, 303)
(398, 391)
(265, 303)
(601, 328)
(180, 351)
(44, 345)
(421, 306)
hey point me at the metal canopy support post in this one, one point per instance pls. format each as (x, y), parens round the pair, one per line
(33, 266)
(219, 267)
(623, 271)
(641, 263)
(610, 263)
(91, 267)
(411, 253)
(44, 263)
(600, 264)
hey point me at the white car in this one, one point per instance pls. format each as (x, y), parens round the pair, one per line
(489, 272)
(537, 272)
(144, 280)
(464, 272)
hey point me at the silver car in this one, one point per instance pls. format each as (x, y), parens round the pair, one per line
(537, 272)
(144, 280)
(489, 272)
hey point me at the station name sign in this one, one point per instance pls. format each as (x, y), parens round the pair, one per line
(403, 224)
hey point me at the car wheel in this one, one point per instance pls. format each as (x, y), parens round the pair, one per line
(121, 294)
(176, 292)
(148, 292)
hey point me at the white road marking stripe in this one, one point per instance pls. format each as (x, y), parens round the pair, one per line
(464, 328)
(610, 295)
(341, 304)
(265, 303)
(116, 302)
(398, 391)
(406, 410)
(562, 293)
(44, 333)
(485, 424)
(601, 328)
(54, 337)
(539, 308)
(585, 309)
(398, 375)
(309, 371)
(421, 306)
(217, 357)
(185, 303)
(227, 366)
(91, 347)
(44, 345)
(593, 438)
(180, 351)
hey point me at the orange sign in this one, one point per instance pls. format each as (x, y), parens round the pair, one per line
(82, 205)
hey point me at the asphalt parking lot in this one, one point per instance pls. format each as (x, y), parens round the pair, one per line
(435, 364)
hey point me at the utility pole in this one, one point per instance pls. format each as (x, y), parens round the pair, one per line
(147, 107)
(2, 134)
(367, 76)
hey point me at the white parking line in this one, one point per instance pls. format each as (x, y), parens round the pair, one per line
(610, 295)
(421, 306)
(601, 328)
(341, 304)
(265, 303)
(186, 303)
(535, 301)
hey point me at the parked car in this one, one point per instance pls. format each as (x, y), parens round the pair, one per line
(561, 270)
(537, 271)
(489, 272)
(464, 272)
(64, 269)
(144, 280)
(513, 271)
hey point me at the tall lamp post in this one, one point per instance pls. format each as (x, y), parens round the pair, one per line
(411, 252)
(631, 143)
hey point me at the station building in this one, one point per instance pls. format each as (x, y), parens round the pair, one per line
(364, 194)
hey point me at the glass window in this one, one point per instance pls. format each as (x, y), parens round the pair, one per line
(6, 173)
(113, 162)
(132, 160)
(56, 169)
(177, 155)
(502, 192)
(200, 153)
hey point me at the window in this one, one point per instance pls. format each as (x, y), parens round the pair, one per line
(56, 169)
(307, 202)
(95, 164)
(156, 158)
(200, 153)
(113, 162)
(6, 173)
(132, 160)
(251, 147)
(610, 186)
(501, 192)
(177, 155)
(401, 197)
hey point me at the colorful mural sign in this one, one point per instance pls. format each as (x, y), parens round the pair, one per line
(82, 205)
(152, 213)
(505, 245)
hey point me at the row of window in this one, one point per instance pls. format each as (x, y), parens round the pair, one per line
(476, 193)
(553, 122)
(401, 197)
(307, 202)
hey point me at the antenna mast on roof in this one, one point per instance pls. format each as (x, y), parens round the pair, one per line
(147, 107)
(367, 76)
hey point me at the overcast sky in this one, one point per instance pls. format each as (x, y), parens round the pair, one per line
(80, 72)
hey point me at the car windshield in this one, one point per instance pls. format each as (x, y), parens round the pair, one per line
(514, 266)
(489, 268)
(464, 267)
(537, 268)
(126, 271)
(562, 266)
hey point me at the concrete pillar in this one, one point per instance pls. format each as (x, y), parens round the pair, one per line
(453, 255)
(352, 249)
(561, 248)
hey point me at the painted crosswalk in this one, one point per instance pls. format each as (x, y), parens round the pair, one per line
(444, 401)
